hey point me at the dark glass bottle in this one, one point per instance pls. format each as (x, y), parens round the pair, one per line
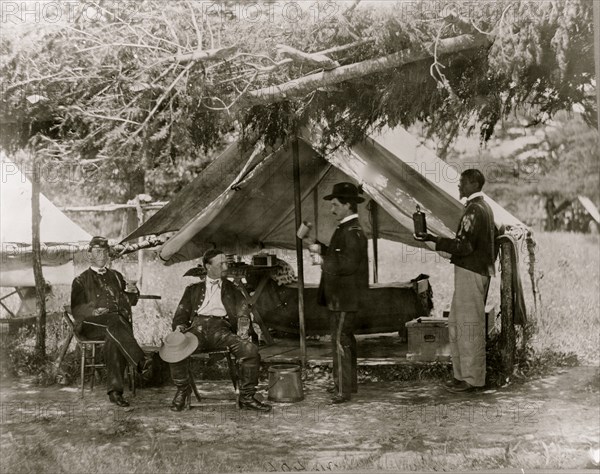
(419, 222)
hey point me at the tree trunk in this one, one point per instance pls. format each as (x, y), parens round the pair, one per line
(136, 182)
(40, 283)
(550, 207)
(597, 55)
(307, 84)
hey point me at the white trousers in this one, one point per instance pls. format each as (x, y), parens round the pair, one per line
(466, 326)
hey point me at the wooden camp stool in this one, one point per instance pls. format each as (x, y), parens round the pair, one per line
(231, 364)
(88, 348)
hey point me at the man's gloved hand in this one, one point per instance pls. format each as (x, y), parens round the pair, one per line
(99, 311)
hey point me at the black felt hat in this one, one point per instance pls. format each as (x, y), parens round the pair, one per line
(347, 191)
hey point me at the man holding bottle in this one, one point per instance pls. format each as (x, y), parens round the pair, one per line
(473, 255)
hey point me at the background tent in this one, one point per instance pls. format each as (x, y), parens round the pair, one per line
(15, 233)
(244, 201)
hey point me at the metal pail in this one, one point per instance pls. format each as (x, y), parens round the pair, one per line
(285, 383)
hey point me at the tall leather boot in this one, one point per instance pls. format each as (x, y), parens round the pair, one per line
(248, 383)
(181, 379)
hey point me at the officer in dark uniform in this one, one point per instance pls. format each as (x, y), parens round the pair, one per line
(101, 307)
(344, 280)
(209, 310)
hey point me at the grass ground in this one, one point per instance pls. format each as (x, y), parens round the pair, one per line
(396, 426)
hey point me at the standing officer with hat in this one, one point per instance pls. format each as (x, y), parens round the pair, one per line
(344, 280)
(207, 313)
(101, 305)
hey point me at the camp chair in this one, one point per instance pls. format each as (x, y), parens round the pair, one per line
(88, 354)
(231, 364)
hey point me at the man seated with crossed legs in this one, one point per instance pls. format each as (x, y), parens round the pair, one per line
(208, 311)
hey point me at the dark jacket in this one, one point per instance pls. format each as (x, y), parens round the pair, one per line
(473, 248)
(193, 297)
(90, 291)
(345, 269)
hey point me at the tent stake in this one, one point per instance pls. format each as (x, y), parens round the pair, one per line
(299, 259)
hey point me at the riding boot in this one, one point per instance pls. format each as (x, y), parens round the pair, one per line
(181, 379)
(183, 397)
(248, 383)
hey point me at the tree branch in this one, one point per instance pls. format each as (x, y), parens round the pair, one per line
(158, 102)
(196, 27)
(344, 47)
(314, 59)
(204, 55)
(304, 85)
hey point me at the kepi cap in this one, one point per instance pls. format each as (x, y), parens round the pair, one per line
(99, 242)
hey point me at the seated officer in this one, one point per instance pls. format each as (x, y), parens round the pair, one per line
(101, 307)
(208, 309)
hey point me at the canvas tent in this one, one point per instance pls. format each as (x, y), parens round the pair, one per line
(16, 228)
(244, 201)
(590, 208)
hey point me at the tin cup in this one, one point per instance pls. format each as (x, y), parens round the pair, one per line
(303, 230)
(130, 287)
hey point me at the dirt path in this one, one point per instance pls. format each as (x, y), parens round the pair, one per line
(547, 423)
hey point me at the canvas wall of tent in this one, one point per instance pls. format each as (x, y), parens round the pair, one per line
(244, 202)
(56, 229)
(59, 237)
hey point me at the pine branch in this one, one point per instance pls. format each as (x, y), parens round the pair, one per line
(314, 59)
(303, 85)
(204, 55)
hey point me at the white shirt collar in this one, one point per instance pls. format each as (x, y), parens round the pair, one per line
(209, 280)
(475, 195)
(100, 271)
(349, 218)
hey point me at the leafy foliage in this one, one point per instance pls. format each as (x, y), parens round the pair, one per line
(529, 362)
(129, 91)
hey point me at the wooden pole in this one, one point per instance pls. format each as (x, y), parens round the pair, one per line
(507, 329)
(373, 208)
(140, 255)
(597, 54)
(40, 283)
(316, 210)
(299, 257)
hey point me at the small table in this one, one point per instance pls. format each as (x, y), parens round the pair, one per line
(240, 271)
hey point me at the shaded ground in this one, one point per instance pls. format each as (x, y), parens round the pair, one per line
(547, 423)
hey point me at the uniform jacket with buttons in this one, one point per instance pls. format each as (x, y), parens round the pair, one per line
(91, 291)
(473, 248)
(345, 268)
(193, 297)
